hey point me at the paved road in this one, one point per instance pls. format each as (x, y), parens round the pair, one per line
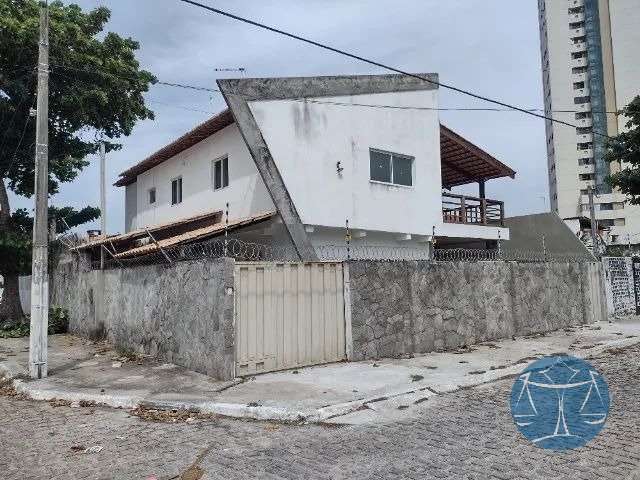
(465, 435)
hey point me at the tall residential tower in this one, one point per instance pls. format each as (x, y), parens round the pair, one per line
(591, 68)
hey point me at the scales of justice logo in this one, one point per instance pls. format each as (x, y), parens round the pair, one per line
(560, 402)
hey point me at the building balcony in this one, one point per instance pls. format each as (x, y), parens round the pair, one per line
(583, 107)
(584, 169)
(579, 62)
(588, 153)
(584, 122)
(576, 17)
(578, 47)
(581, 92)
(580, 77)
(577, 32)
(472, 210)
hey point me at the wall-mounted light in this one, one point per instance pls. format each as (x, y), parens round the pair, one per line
(339, 168)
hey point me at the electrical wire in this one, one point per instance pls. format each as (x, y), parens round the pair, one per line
(327, 102)
(380, 65)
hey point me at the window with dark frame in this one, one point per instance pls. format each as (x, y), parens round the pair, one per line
(220, 173)
(176, 191)
(392, 168)
(152, 195)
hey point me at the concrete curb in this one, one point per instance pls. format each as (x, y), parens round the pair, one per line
(263, 412)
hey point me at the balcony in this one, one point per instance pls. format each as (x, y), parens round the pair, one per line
(579, 62)
(578, 47)
(579, 77)
(472, 210)
(581, 92)
(588, 153)
(577, 32)
(576, 17)
(584, 122)
(583, 107)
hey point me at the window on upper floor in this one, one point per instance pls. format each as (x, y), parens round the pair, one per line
(585, 161)
(152, 195)
(581, 115)
(586, 176)
(220, 173)
(390, 168)
(578, 85)
(581, 100)
(576, 55)
(176, 191)
(578, 70)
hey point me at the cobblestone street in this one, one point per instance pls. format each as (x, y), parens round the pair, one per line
(465, 435)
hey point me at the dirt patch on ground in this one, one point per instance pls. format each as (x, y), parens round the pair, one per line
(171, 416)
(7, 390)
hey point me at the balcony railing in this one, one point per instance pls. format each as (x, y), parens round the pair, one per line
(472, 210)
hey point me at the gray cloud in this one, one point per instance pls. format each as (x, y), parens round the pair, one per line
(488, 47)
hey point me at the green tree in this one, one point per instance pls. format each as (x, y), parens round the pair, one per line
(625, 149)
(96, 92)
(16, 246)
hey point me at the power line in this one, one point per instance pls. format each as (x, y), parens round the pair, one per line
(380, 65)
(442, 109)
(101, 71)
(327, 102)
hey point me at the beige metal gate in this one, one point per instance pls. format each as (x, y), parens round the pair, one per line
(288, 315)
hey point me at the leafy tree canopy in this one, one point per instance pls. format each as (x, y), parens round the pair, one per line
(96, 88)
(625, 148)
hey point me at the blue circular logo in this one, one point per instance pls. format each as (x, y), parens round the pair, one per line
(560, 402)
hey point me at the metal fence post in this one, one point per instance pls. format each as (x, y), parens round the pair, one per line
(348, 240)
(499, 252)
(226, 228)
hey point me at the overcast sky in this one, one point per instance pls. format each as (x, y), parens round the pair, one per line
(488, 46)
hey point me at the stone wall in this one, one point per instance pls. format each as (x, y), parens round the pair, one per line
(180, 313)
(418, 307)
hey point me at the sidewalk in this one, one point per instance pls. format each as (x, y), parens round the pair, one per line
(358, 392)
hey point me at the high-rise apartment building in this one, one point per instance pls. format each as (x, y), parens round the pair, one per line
(591, 68)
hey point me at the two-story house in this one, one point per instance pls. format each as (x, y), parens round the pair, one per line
(305, 158)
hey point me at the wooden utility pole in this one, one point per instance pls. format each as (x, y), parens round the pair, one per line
(39, 267)
(103, 200)
(594, 226)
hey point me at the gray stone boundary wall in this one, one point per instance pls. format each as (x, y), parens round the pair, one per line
(417, 307)
(180, 313)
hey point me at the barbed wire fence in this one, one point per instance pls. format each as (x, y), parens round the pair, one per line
(255, 252)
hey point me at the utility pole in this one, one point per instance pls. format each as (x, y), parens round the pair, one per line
(39, 267)
(594, 227)
(103, 200)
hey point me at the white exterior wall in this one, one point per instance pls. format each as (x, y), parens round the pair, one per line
(307, 139)
(246, 192)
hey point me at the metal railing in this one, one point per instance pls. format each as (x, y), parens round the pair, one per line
(472, 210)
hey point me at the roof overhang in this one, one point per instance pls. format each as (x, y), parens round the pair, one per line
(188, 140)
(463, 162)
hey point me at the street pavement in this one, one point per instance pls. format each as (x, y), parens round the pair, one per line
(467, 434)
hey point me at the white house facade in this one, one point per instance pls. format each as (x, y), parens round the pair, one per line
(329, 155)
